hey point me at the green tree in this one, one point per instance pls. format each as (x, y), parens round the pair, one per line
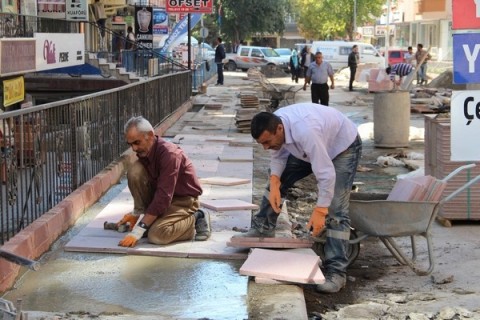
(330, 19)
(242, 19)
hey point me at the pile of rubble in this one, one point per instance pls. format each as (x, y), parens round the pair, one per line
(430, 100)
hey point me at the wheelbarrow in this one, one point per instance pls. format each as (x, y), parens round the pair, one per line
(373, 216)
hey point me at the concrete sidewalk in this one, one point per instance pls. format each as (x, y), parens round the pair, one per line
(143, 287)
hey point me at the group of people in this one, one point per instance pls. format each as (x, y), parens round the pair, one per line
(421, 57)
(317, 71)
(302, 138)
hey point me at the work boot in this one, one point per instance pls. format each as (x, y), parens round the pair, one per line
(202, 225)
(255, 233)
(334, 282)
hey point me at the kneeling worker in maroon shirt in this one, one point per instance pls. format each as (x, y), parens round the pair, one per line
(165, 190)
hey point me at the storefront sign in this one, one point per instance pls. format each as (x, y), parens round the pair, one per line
(17, 56)
(58, 50)
(465, 125)
(77, 10)
(465, 14)
(189, 6)
(13, 91)
(466, 58)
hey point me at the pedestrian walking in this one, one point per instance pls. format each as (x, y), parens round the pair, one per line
(294, 65)
(318, 73)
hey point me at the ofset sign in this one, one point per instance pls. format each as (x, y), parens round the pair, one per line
(189, 6)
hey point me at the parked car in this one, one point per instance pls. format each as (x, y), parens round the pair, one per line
(336, 53)
(252, 56)
(395, 55)
(206, 51)
(300, 46)
(285, 53)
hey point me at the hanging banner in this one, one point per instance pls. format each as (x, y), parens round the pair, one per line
(180, 30)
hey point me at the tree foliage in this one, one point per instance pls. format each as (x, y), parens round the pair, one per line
(242, 19)
(332, 19)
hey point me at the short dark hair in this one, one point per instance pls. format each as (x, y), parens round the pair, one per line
(354, 46)
(420, 45)
(410, 48)
(264, 121)
(219, 39)
(388, 70)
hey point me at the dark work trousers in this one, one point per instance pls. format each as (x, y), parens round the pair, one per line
(219, 73)
(320, 93)
(353, 70)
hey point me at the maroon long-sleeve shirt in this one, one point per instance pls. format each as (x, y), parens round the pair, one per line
(171, 173)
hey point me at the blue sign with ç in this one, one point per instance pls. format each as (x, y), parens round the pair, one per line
(466, 58)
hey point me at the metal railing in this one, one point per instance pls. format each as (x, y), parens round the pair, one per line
(22, 26)
(48, 151)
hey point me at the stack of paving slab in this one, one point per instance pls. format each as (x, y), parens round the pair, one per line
(250, 104)
(283, 267)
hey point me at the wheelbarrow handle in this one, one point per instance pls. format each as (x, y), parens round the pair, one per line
(465, 186)
(458, 170)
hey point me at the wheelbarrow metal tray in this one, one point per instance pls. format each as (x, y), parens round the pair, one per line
(384, 218)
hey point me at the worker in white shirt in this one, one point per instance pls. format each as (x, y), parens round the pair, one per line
(307, 138)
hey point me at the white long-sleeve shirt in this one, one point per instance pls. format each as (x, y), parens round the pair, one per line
(316, 134)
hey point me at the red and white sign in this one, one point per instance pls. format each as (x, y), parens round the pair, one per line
(465, 14)
(189, 6)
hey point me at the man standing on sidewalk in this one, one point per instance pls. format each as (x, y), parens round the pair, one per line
(165, 190)
(422, 56)
(219, 56)
(353, 60)
(307, 138)
(318, 73)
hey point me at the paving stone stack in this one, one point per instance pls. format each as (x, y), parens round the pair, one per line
(249, 107)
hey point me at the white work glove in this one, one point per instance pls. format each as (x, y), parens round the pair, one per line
(132, 238)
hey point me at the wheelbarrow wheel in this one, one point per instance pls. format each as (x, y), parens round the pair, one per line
(353, 249)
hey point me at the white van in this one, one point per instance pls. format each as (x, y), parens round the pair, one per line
(336, 53)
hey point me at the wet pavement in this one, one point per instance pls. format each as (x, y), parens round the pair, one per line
(108, 286)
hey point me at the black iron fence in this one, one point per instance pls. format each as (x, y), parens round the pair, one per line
(48, 151)
(23, 26)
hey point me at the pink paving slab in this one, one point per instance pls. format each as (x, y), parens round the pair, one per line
(282, 265)
(224, 181)
(277, 242)
(318, 278)
(228, 204)
(405, 190)
(93, 238)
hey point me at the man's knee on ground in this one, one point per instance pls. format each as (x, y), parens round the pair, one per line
(135, 172)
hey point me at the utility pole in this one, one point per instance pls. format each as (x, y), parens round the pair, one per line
(387, 34)
(354, 18)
